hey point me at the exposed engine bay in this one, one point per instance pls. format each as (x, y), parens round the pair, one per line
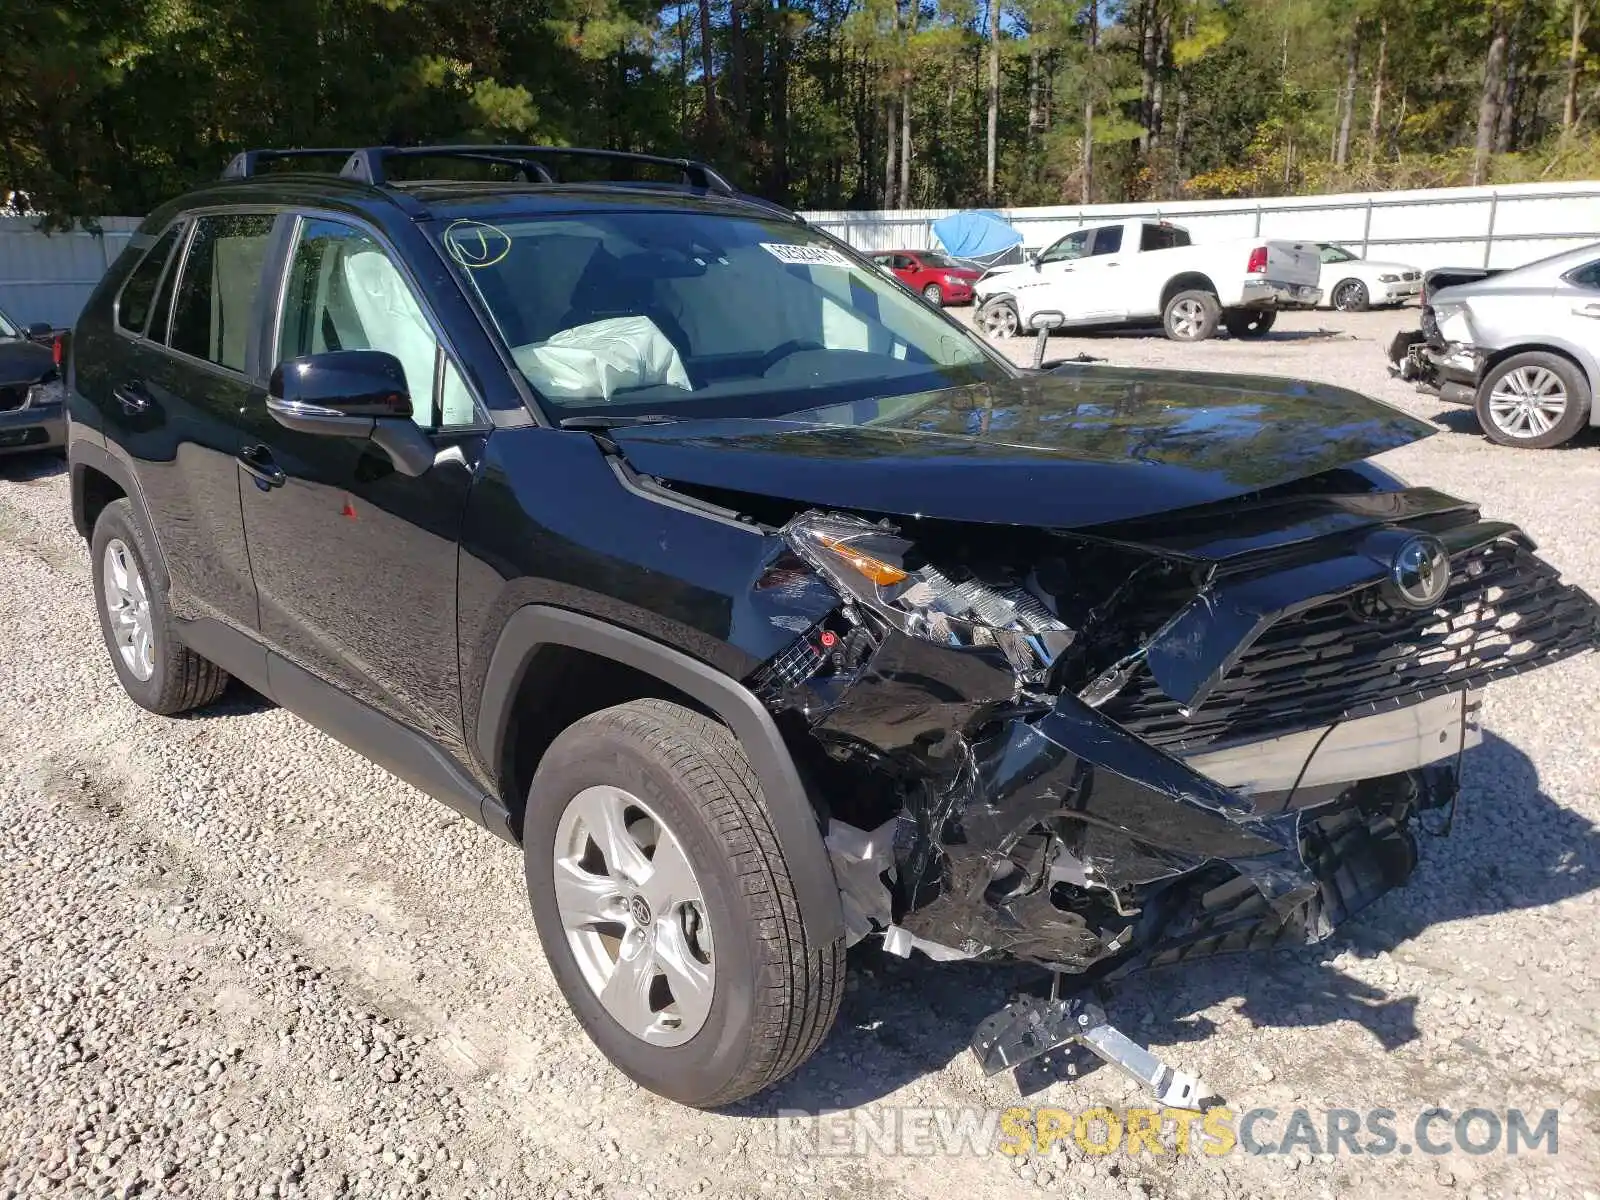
(1097, 751)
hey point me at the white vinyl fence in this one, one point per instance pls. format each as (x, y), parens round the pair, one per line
(1458, 227)
(48, 276)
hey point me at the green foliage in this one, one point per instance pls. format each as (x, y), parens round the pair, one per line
(114, 105)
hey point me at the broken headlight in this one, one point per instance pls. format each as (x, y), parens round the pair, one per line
(882, 570)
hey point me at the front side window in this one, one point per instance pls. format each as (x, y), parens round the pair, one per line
(215, 299)
(8, 327)
(1586, 276)
(1068, 248)
(139, 292)
(702, 314)
(345, 293)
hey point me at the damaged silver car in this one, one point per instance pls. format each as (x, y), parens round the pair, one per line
(1522, 347)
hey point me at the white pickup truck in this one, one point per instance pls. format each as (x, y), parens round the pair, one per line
(1139, 272)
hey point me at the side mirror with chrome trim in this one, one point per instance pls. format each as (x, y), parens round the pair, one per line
(351, 394)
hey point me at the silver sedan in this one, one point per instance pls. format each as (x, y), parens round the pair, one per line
(1522, 347)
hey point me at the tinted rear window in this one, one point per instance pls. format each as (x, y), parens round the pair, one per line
(217, 294)
(1162, 237)
(139, 292)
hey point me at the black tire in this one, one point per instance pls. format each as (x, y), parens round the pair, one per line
(998, 317)
(1250, 322)
(775, 993)
(933, 295)
(1191, 316)
(1528, 366)
(181, 680)
(1350, 295)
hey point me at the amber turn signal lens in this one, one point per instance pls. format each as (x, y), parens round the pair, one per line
(881, 573)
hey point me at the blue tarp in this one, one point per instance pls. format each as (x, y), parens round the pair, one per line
(976, 234)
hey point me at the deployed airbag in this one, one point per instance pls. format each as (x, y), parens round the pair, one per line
(595, 361)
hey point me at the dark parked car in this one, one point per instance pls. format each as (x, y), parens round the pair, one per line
(765, 607)
(32, 416)
(940, 280)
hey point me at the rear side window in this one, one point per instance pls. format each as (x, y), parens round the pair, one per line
(1162, 237)
(216, 296)
(139, 292)
(1107, 240)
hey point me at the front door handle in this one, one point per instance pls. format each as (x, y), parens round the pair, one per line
(257, 460)
(1586, 310)
(132, 396)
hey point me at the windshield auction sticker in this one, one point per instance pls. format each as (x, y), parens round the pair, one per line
(805, 256)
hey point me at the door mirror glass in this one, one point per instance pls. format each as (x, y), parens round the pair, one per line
(342, 383)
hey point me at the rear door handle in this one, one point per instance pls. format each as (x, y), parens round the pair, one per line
(257, 460)
(1586, 310)
(132, 397)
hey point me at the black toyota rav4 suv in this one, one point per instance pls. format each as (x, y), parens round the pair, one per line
(766, 607)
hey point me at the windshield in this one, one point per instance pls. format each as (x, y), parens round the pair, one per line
(691, 313)
(1336, 254)
(936, 260)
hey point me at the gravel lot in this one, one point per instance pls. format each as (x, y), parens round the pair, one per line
(235, 959)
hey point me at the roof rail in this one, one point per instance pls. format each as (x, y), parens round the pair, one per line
(368, 165)
(247, 163)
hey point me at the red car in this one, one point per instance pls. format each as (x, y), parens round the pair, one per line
(939, 279)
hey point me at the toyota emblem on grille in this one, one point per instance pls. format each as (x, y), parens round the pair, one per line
(1421, 572)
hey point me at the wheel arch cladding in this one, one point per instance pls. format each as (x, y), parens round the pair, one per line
(793, 818)
(1189, 281)
(97, 479)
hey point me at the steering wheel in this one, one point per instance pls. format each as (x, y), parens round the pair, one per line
(784, 350)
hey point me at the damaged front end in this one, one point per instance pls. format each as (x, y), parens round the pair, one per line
(1442, 357)
(1160, 741)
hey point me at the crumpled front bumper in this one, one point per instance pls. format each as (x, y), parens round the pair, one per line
(1145, 827)
(1450, 370)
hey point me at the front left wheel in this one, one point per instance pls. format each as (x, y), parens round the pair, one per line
(933, 295)
(666, 907)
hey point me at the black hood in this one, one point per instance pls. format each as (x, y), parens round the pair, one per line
(1077, 447)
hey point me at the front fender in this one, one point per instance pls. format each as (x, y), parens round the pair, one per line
(794, 820)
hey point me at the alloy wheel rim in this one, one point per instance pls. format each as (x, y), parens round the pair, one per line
(932, 294)
(1528, 402)
(1000, 321)
(1345, 298)
(128, 607)
(1186, 318)
(634, 915)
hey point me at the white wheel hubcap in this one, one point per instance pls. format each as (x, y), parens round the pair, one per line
(634, 915)
(128, 607)
(1528, 402)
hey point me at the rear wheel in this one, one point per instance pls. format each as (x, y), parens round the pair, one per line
(1250, 322)
(667, 910)
(998, 318)
(156, 670)
(1350, 295)
(1535, 400)
(933, 295)
(1191, 316)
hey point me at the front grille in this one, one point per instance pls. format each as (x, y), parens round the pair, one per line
(13, 398)
(1410, 276)
(1506, 612)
